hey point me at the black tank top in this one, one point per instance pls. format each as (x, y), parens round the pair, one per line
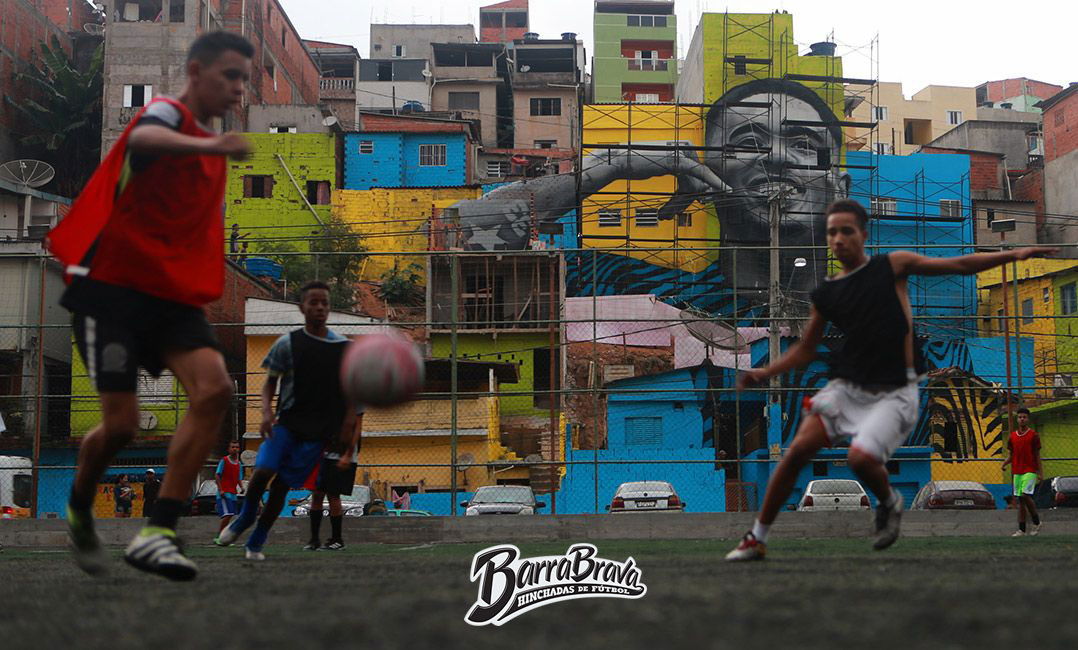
(864, 307)
(317, 409)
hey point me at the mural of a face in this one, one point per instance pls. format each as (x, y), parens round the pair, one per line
(788, 160)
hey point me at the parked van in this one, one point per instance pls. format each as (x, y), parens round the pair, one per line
(15, 487)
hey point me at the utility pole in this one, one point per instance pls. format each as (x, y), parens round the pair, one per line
(774, 203)
(1003, 226)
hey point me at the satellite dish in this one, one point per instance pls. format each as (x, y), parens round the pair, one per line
(465, 459)
(330, 120)
(248, 457)
(525, 68)
(425, 73)
(533, 458)
(705, 327)
(96, 29)
(147, 421)
(28, 173)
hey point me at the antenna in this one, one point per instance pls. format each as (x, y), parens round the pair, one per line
(716, 333)
(27, 173)
(97, 29)
(465, 459)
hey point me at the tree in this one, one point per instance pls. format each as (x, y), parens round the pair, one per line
(338, 265)
(60, 115)
(401, 286)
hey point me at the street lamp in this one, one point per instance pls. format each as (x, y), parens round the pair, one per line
(1004, 226)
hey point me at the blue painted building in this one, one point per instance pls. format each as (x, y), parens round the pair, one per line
(408, 151)
(922, 203)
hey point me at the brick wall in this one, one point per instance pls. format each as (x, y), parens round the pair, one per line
(1030, 187)
(1061, 128)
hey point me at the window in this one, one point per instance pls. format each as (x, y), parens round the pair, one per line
(647, 98)
(385, 71)
(819, 468)
(1027, 311)
(633, 21)
(318, 192)
(516, 19)
(644, 432)
(398, 51)
(989, 216)
(1060, 119)
(1047, 296)
(609, 218)
(884, 149)
(282, 129)
(740, 67)
(432, 155)
(647, 218)
(1068, 300)
(176, 11)
(138, 95)
(497, 168)
(1002, 320)
(893, 467)
(884, 207)
(950, 208)
(22, 489)
(684, 219)
(490, 19)
(1034, 143)
(464, 101)
(284, 38)
(546, 106)
(645, 21)
(954, 118)
(257, 187)
(879, 113)
(546, 144)
(546, 375)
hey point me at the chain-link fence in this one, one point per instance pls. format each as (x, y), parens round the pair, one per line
(561, 380)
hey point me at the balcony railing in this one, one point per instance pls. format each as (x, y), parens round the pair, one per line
(650, 65)
(337, 83)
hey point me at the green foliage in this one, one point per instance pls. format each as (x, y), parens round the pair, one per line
(401, 286)
(59, 115)
(338, 266)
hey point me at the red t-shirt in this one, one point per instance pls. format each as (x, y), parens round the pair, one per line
(1024, 448)
(228, 472)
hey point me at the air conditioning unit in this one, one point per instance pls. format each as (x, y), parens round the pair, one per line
(1063, 386)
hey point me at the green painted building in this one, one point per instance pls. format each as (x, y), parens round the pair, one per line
(1065, 291)
(1057, 425)
(278, 191)
(635, 51)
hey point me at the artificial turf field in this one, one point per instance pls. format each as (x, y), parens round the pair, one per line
(923, 593)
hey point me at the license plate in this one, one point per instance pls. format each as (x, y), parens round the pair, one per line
(963, 502)
(645, 504)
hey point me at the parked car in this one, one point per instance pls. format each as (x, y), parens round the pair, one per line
(356, 504)
(204, 502)
(502, 500)
(398, 512)
(646, 496)
(833, 494)
(16, 483)
(1064, 490)
(954, 495)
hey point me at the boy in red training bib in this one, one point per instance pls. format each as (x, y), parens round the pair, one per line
(144, 248)
(1024, 457)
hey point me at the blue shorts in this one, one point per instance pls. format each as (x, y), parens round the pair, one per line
(226, 504)
(291, 459)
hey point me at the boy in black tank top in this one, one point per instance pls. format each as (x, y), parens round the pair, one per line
(871, 398)
(312, 412)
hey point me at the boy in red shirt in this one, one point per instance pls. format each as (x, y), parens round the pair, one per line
(229, 475)
(144, 248)
(1024, 457)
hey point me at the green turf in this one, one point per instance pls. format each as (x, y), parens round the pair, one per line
(923, 593)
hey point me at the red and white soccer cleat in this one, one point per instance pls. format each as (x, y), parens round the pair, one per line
(749, 549)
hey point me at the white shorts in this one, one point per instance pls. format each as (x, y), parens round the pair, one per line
(875, 422)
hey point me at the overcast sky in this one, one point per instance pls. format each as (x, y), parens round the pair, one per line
(920, 42)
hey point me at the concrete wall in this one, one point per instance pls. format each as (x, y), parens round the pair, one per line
(1025, 231)
(528, 128)
(1007, 138)
(379, 94)
(306, 119)
(309, 156)
(690, 82)
(1060, 197)
(488, 100)
(1009, 115)
(416, 39)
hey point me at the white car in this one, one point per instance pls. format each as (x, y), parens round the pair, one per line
(502, 500)
(833, 494)
(356, 504)
(646, 496)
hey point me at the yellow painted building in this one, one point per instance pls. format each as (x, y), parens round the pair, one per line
(1035, 307)
(621, 217)
(395, 220)
(903, 125)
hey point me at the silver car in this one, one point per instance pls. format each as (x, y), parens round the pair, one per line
(833, 494)
(646, 496)
(502, 500)
(353, 505)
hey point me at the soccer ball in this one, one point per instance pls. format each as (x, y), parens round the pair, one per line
(381, 370)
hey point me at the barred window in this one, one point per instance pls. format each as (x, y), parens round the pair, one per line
(432, 155)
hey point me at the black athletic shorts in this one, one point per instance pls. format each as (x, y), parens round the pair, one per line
(113, 346)
(334, 480)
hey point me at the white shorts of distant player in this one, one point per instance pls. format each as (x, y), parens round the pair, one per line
(876, 422)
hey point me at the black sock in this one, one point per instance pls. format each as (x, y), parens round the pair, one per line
(80, 503)
(166, 512)
(1036, 520)
(316, 522)
(335, 523)
(1022, 526)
